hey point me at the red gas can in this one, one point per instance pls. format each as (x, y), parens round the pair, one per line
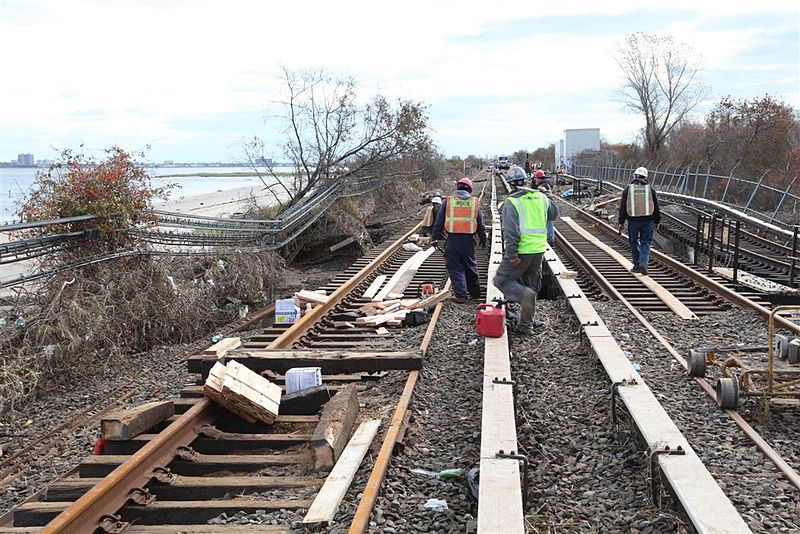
(490, 320)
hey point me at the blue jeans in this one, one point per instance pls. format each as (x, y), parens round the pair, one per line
(640, 237)
(551, 233)
(459, 256)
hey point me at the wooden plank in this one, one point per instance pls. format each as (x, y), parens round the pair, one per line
(660, 291)
(217, 442)
(126, 424)
(432, 300)
(373, 288)
(221, 347)
(183, 488)
(342, 243)
(326, 504)
(382, 331)
(311, 296)
(500, 502)
(333, 430)
(400, 280)
(331, 361)
(196, 464)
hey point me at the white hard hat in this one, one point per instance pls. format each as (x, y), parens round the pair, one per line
(641, 171)
(436, 200)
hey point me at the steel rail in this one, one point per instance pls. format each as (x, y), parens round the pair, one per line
(301, 327)
(695, 276)
(369, 497)
(103, 500)
(791, 474)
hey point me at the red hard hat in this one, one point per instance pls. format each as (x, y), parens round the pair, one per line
(539, 174)
(467, 182)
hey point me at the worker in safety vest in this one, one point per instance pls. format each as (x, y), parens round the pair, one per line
(460, 218)
(542, 184)
(639, 206)
(524, 217)
(430, 216)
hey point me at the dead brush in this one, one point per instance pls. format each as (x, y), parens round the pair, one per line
(76, 320)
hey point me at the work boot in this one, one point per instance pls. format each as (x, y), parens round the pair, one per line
(643, 269)
(635, 269)
(537, 323)
(460, 300)
(527, 306)
(526, 329)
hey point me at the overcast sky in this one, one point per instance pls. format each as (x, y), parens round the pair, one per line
(192, 78)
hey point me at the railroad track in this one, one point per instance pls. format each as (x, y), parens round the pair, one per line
(184, 472)
(720, 388)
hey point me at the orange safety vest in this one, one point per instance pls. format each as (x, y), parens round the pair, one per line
(461, 216)
(640, 203)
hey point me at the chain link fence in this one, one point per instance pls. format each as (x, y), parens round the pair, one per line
(778, 205)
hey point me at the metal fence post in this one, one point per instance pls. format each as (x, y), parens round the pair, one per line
(755, 189)
(728, 184)
(780, 202)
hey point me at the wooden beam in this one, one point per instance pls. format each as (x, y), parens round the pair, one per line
(400, 280)
(124, 425)
(306, 401)
(433, 300)
(221, 347)
(183, 488)
(311, 296)
(196, 464)
(373, 288)
(280, 360)
(216, 442)
(341, 244)
(326, 504)
(182, 529)
(333, 430)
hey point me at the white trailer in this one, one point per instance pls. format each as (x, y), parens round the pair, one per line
(576, 141)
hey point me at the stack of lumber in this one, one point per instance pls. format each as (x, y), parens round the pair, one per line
(393, 312)
(243, 392)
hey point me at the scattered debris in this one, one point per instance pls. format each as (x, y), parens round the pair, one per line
(243, 392)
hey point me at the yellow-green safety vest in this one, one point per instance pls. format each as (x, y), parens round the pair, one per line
(532, 210)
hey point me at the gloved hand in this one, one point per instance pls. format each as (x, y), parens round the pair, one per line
(516, 261)
(434, 243)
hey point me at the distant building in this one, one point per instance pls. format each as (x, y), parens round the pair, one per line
(264, 161)
(25, 160)
(574, 142)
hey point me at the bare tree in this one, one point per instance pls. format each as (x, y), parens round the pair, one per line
(330, 135)
(661, 82)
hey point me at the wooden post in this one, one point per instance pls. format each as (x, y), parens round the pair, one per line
(697, 234)
(793, 261)
(711, 238)
(125, 425)
(333, 430)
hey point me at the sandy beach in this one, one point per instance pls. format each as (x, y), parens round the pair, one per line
(222, 203)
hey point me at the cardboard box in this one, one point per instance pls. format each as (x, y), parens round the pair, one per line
(286, 311)
(300, 378)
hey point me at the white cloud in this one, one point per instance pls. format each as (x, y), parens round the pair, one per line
(134, 72)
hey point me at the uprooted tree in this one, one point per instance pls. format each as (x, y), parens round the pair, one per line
(661, 82)
(331, 134)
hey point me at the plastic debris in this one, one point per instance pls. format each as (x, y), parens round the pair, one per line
(625, 337)
(411, 247)
(20, 321)
(628, 354)
(437, 505)
(473, 343)
(636, 367)
(444, 474)
(216, 338)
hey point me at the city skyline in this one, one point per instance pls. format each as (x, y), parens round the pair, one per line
(495, 81)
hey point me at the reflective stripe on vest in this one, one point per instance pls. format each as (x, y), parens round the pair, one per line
(462, 215)
(428, 219)
(639, 202)
(532, 210)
